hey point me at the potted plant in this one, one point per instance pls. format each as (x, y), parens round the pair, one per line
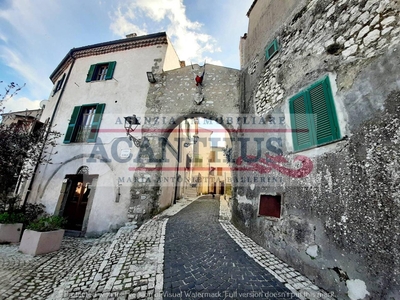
(43, 235)
(11, 227)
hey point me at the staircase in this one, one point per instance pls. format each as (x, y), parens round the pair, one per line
(191, 192)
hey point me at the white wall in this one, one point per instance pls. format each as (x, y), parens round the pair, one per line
(123, 95)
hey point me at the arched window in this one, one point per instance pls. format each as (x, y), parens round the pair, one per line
(83, 170)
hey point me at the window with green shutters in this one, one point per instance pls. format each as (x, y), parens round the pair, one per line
(271, 50)
(58, 85)
(313, 116)
(84, 124)
(101, 71)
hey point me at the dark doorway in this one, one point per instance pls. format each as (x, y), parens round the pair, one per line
(77, 200)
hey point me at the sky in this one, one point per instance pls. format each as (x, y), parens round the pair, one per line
(35, 35)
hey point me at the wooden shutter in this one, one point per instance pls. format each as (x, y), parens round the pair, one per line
(96, 123)
(69, 135)
(323, 112)
(61, 82)
(302, 130)
(271, 49)
(90, 73)
(270, 206)
(110, 70)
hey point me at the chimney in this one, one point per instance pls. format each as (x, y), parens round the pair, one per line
(131, 35)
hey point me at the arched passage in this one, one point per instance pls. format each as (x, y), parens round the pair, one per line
(171, 100)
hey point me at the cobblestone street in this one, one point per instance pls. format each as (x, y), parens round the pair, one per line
(189, 254)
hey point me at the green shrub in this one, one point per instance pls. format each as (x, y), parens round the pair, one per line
(10, 218)
(47, 223)
(32, 211)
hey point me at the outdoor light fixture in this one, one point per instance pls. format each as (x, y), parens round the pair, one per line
(150, 77)
(195, 140)
(129, 123)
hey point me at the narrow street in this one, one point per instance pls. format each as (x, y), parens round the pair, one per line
(189, 251)
(202, 260)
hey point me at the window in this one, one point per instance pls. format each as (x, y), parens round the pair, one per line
(101, 71)
(271, 50)
(198, 161)
(58, 85)
(313, 116)
(212, 156)
(270, 206)
(188, 162)
(84, 124)
(219, 171)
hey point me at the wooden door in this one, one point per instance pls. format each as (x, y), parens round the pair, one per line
(77, 200)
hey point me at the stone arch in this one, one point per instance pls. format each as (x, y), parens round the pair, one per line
(170, 101)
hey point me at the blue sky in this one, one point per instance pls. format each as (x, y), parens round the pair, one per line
(35, 35)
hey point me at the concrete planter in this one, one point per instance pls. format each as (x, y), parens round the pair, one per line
(35, 242)
(10, 233)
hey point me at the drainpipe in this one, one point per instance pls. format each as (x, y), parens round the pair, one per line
(177, 165)
(50, 125)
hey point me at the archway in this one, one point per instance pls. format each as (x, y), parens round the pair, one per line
(173, 99)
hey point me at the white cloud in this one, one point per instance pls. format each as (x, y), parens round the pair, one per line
(122, 25)
(3, 38)
(20, 104)
(28, 72)
(26, 29)
(189, 43)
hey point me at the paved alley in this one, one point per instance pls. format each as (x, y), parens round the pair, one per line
(189, 251)
(203, 261)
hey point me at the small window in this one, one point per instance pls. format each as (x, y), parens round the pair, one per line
(313, 116)
(198, 161)
(101, 71)
(219, 171)
(271, 50)
(58, 85)
(212, 156)
(188, 162)
(270, 206)
(84, 124)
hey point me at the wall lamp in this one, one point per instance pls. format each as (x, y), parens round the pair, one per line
(150, 77)
(129, 123)
(195, 140)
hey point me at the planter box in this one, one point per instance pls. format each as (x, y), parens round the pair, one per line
(10, 233)
(35, 242)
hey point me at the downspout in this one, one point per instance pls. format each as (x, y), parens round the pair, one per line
(50, 125)
(177, 165)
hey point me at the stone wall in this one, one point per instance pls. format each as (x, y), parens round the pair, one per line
(170, 100)
(340, 225)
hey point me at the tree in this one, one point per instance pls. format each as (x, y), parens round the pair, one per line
(22, 148)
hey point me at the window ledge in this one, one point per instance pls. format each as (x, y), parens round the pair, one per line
(323, 147)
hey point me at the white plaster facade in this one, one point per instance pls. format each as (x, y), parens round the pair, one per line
(123, 95)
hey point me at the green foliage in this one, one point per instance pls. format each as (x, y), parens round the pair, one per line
(12, 218)
(32, 211)
(25, 143)
(47, 223)
(8, 204)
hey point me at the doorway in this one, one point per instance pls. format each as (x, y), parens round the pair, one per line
(78, 193)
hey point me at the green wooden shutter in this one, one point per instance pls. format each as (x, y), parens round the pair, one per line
(110, 70)
(271, 49)
(302, 128)
(323, 112)
(90, 73)
(96, 123)
(71, 127)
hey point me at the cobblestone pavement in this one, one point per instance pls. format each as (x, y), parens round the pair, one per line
(130, 263)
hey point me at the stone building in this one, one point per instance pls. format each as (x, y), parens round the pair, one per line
(329, 72)
(312, 116)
